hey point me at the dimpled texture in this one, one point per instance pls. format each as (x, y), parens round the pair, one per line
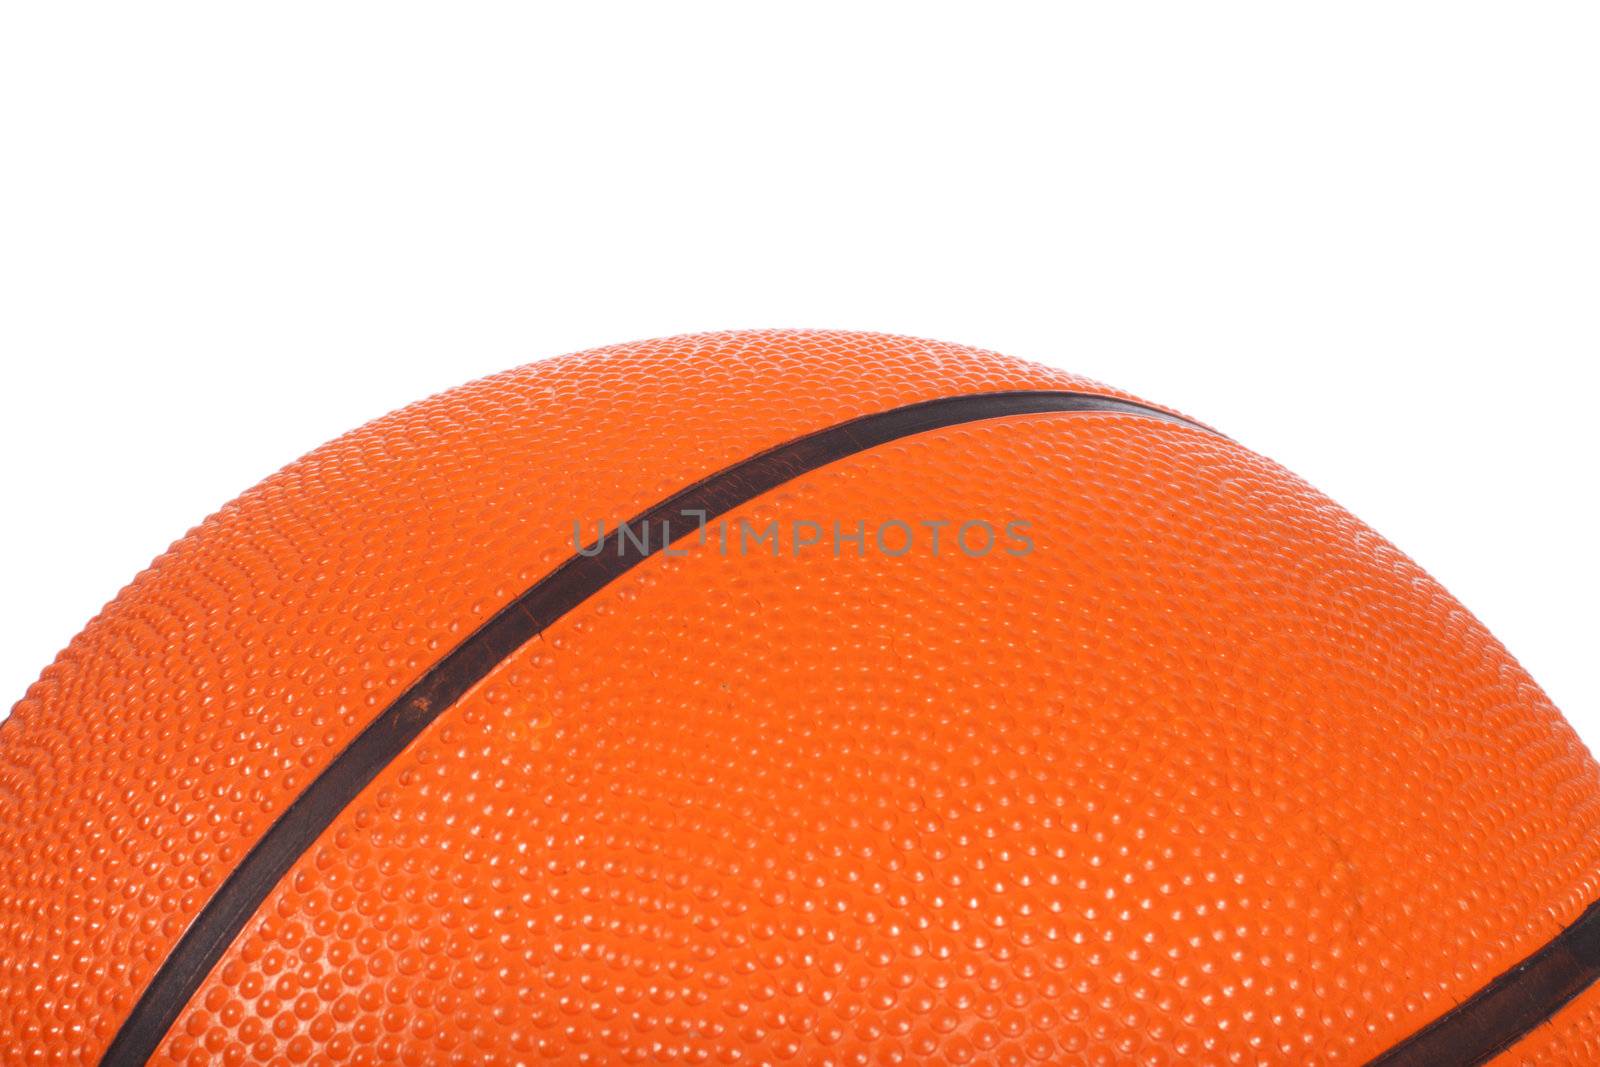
(169, 734)
(1212, 775)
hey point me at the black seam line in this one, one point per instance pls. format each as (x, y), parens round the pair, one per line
(1510, 1007)
(570, 584)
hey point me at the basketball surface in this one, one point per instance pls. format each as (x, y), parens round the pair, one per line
(935, 708)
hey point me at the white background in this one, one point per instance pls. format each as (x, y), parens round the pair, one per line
(1361, 238)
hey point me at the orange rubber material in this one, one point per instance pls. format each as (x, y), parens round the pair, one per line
(1212, 775)
(168, 735)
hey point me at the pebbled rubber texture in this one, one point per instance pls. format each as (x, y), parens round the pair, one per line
(578, 578)
(1214, 775)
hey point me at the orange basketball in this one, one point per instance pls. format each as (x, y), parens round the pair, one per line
(792, 697)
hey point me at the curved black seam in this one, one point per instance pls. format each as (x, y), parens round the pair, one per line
(1510, 1007)
(570, 584)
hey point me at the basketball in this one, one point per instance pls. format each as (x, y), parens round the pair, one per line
(792, 697)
